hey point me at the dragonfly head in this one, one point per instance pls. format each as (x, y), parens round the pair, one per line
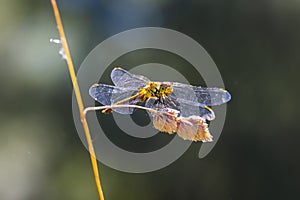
(165, 89)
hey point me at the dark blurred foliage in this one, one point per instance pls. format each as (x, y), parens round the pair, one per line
(255, 45)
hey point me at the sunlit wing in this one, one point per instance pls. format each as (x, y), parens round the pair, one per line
(153, 104)
(127, 98)
(109, 95)
(188, 108)
(123, 78)
(162, 105)
(185, 110)
(200, 96)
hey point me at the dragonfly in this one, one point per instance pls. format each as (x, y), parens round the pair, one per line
(133, 89)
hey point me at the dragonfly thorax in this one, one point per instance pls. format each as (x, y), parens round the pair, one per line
(155, 90)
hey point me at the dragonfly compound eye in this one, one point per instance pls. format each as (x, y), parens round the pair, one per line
(166, 89)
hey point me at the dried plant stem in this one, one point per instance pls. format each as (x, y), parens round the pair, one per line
(120, 106)
(78, 98)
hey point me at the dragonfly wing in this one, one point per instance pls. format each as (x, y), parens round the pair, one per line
(163, 105)
(212, 96)
(200, 96)
(206, 112)
(123, 78)
(170, 102)
(108, 95)
(184, 108)
(126, 98)
(103, 93)
(189, 108)
(154, 104)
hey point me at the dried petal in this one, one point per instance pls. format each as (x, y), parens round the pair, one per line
(194, 128)
(166, 121)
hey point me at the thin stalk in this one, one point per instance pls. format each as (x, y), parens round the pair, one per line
(78, 98)
(120, 106)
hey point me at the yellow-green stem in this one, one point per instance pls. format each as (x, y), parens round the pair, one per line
(78, 98)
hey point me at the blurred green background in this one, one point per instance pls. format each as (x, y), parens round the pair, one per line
(254, 43)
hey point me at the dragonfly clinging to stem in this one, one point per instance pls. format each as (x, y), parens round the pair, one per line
(131, 89)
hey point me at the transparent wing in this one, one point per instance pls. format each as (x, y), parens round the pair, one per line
(123, 78)
(154, 104)
(109, 95)
(187, 108)
(206, 112)
(163, 105)
(126, 98)
(200, 96)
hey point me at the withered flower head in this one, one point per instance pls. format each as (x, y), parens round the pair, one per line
(166, 121)
(192, 128)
